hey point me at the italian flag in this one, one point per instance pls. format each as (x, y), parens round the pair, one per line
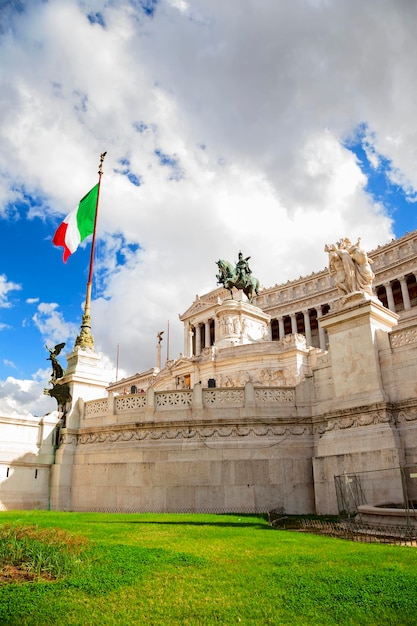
(77, 225)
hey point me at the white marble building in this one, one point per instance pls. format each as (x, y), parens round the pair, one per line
(268, 403)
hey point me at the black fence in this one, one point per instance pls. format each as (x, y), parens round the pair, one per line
(350, 530)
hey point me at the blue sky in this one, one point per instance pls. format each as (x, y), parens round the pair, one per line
(263, 126)
(399, 200)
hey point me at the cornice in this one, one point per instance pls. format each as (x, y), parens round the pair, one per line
(246, 428)
(354, 418)
(406, 412)
(196, 432)
(30, 464)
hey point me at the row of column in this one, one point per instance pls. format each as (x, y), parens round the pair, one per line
(322, 333)
(404, 292)
(307, 327)
(192, 337)
(193, 334)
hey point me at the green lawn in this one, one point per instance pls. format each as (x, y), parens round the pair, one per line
(212, 569)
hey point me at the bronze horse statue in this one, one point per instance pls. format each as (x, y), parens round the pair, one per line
(229, 278)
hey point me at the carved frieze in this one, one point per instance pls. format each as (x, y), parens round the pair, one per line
(404, 338)
(274, 377)
(344, 422)
(234, 432)
(68, 438)
(407, 415)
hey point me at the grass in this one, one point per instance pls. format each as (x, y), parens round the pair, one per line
(202, 570)
(30, 552)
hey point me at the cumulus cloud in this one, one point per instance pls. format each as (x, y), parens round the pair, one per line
(6, 286)
(51, 323)
(226, 128)
(19, 397)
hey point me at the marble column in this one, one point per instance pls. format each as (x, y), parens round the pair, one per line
(281, 329)
(187, 340)
(390, 297)
(198, 339)
(307, 327)
(405, 294)
(322, 332)
(207, 331)
(293, 323)
(190, 340)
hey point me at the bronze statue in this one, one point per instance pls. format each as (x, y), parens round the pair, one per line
(61, 392)
(57, 371)
(242, 267)
(62, 395)
(239, 277)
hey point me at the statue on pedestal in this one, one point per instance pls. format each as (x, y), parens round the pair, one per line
(350, 267)
(239, 277)
(59, 391)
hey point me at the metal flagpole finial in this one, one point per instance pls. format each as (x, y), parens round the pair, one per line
(100, 167)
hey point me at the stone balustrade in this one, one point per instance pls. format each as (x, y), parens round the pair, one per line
(180, 400)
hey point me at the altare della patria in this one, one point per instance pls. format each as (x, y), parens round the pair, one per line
(300, 397)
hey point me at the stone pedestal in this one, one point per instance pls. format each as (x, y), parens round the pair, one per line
(61, 472)
(355, 432)
(357, 327)
(240, 323)
(85, 378)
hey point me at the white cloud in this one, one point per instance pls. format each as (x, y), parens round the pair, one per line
(18, 397)
(5, 287)
(251, 103)
(9, 363)
(51, 323)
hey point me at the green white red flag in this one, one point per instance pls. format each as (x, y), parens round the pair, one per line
(78, 224)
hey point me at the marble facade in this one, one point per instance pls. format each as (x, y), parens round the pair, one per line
(266, 405)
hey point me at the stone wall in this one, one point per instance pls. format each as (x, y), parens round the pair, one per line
(284, 419)
(206, 450)
(28, 452)
(258, 448)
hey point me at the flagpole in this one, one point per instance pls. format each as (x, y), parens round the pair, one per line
(85, 338)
